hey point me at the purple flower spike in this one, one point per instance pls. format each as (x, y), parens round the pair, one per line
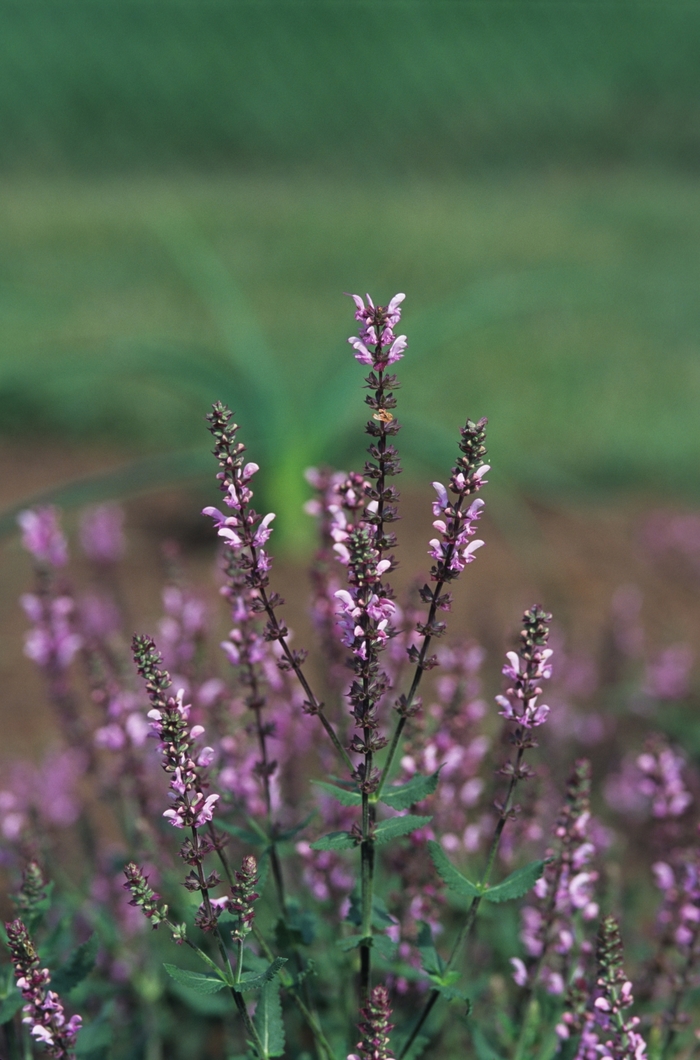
(379, 322)
(42, 536)
(102, 533)
(43, 1011)
(526, 669)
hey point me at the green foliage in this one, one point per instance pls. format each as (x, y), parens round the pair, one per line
(76, 968)
(256, 980)
(268, 1019)
(415, 790)
(335, 841)
(514, 886)
(197, 981)
(517, 884)
(451, 876)
(398, 826)
(345, 796)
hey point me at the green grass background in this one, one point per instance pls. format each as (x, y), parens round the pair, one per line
(188, 186)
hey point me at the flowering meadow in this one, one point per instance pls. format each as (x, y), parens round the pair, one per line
(248, 849)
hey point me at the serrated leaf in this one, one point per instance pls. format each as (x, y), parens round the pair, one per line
(11, 1004)
(447, 986)
(268, 1019)
(517, 884)
(431, 961)
(76, 968)
(335, 841)
(255, 980)
(215, 1004)
(417, 789)
(246, 835)
(299, 928)
(350, 942)
(342, 795)
(384, 946)
(447, 872)
(203, 984)
(398, 826)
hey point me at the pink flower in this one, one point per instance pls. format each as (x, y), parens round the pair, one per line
(42, 537)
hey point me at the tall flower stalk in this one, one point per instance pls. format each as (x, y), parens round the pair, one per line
(525, 670)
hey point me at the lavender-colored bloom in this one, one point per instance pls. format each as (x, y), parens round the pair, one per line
(668, 675)
(377, 332)
(650, 783)
(42, 536)
(566, 889)
(525, 670)
(169, 722)
(102, 533)
(43, 1012)
(608, 1033)
(53, 641)
(375, 1028)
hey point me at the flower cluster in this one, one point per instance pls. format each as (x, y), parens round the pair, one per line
(243, 898)
(651, 783)
(102, 534)
(563, 892)
(44, 1013)
(454, 520)
(53, 641)
(377, 331)
(375, 1027)
(42, 536)
(169, 718)
(143, 896)
(526, 668)
(608, 1034)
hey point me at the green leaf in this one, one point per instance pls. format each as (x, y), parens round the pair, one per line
(299, 928)
(350, 942)
(431, 960)
(417, 789)
(246, 835)
(268, 1019)
(255, 980)
(447, 986)
(517, 884)
(203, 984)
(335, 841)
(11, 1004)
(76, 968)
(203, 1004)
(447, 872)
(346, 796)
(398, 826)
(384, 946)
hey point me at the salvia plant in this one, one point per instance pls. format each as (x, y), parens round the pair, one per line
(243, 850)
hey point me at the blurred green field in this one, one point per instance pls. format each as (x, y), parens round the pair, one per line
(565, 308)
(188, 188)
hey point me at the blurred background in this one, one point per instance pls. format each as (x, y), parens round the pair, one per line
(188, 188)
